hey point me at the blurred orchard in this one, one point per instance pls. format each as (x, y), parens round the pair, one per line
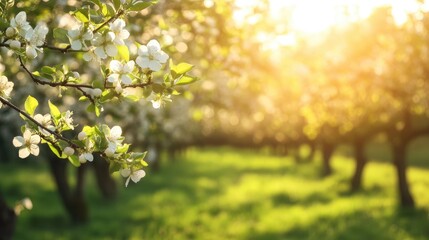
(299, 80)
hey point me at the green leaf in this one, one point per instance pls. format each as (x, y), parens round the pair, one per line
(79, 15)
(55, 112)
(104, 10)
(97, 2)
(138, 156)
(114, 167)
(147, 91)
(186, 80)
(91, 108)
(74, 160)
(182, 68)
(138, 6)
(107, 95)
(55, 151)
(88, 130)
(123, 149)
(60, 35)
(48, 70)
(30, 105)
(144, 163)
(157, 88)
(124, 53)
(117, 4)
(111, 10)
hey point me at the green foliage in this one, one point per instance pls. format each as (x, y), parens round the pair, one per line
(5, 6)
(140, 5)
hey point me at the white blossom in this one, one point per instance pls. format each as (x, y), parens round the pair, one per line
(117, 27)
(10, 32)
(81, 136)
(90, 55)
(78, 36)
(45, 121)
(36, 38)
(68, 151)
(121, 72)
(68, 120)
(27, 144)
(151, 56)
(159, 100)
(104, 44)
(20, 24)
(14, 44)
(86, 156)
(114, 137)
(110, 150)
(5, 88)
(135, 176)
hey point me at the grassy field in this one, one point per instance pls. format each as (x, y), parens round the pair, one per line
(230, 194)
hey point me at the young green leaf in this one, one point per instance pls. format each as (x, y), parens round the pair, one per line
(60, 35)
(55, 112)
(74, 160)
(124, 53)
(30, 105)
(182, 68)
(186, 80)
(138, 6)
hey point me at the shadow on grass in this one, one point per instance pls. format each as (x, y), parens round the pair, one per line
(411, 224)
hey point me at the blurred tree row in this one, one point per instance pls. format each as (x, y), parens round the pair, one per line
(346, 85)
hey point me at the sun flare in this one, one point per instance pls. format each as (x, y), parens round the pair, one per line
(315, 16)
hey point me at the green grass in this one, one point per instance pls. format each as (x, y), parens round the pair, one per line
(229, 194)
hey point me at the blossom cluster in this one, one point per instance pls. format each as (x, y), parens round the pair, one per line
(20, 34)
(5, 88)
(107, 41)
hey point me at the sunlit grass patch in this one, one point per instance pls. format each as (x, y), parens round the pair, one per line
(224, 193)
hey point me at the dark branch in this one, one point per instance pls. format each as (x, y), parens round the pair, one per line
(59, 136)
(52, 84)
(118, 14)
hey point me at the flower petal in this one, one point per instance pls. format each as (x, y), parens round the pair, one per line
(24, 152)
(143, 51)
(153, 46)
(76, 45)
(116, 131)
(128, 67)
(111, 50)
(34, 149)
(115, 66)
(113, 78)
(126, 182)
(137, 175)
(125, 79)
(154, 65)
(18, 141)
(143, 62)
(99, 51)
(125, 172)
(35, 139)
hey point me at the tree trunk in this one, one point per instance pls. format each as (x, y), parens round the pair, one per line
(73, 201)
(7, 220)
(296, 153)
(327, 151)
(105, 182)
(361, 161)
(310, 156)
(399, 155)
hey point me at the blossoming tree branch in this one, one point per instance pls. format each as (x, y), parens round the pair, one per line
(99, 36)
